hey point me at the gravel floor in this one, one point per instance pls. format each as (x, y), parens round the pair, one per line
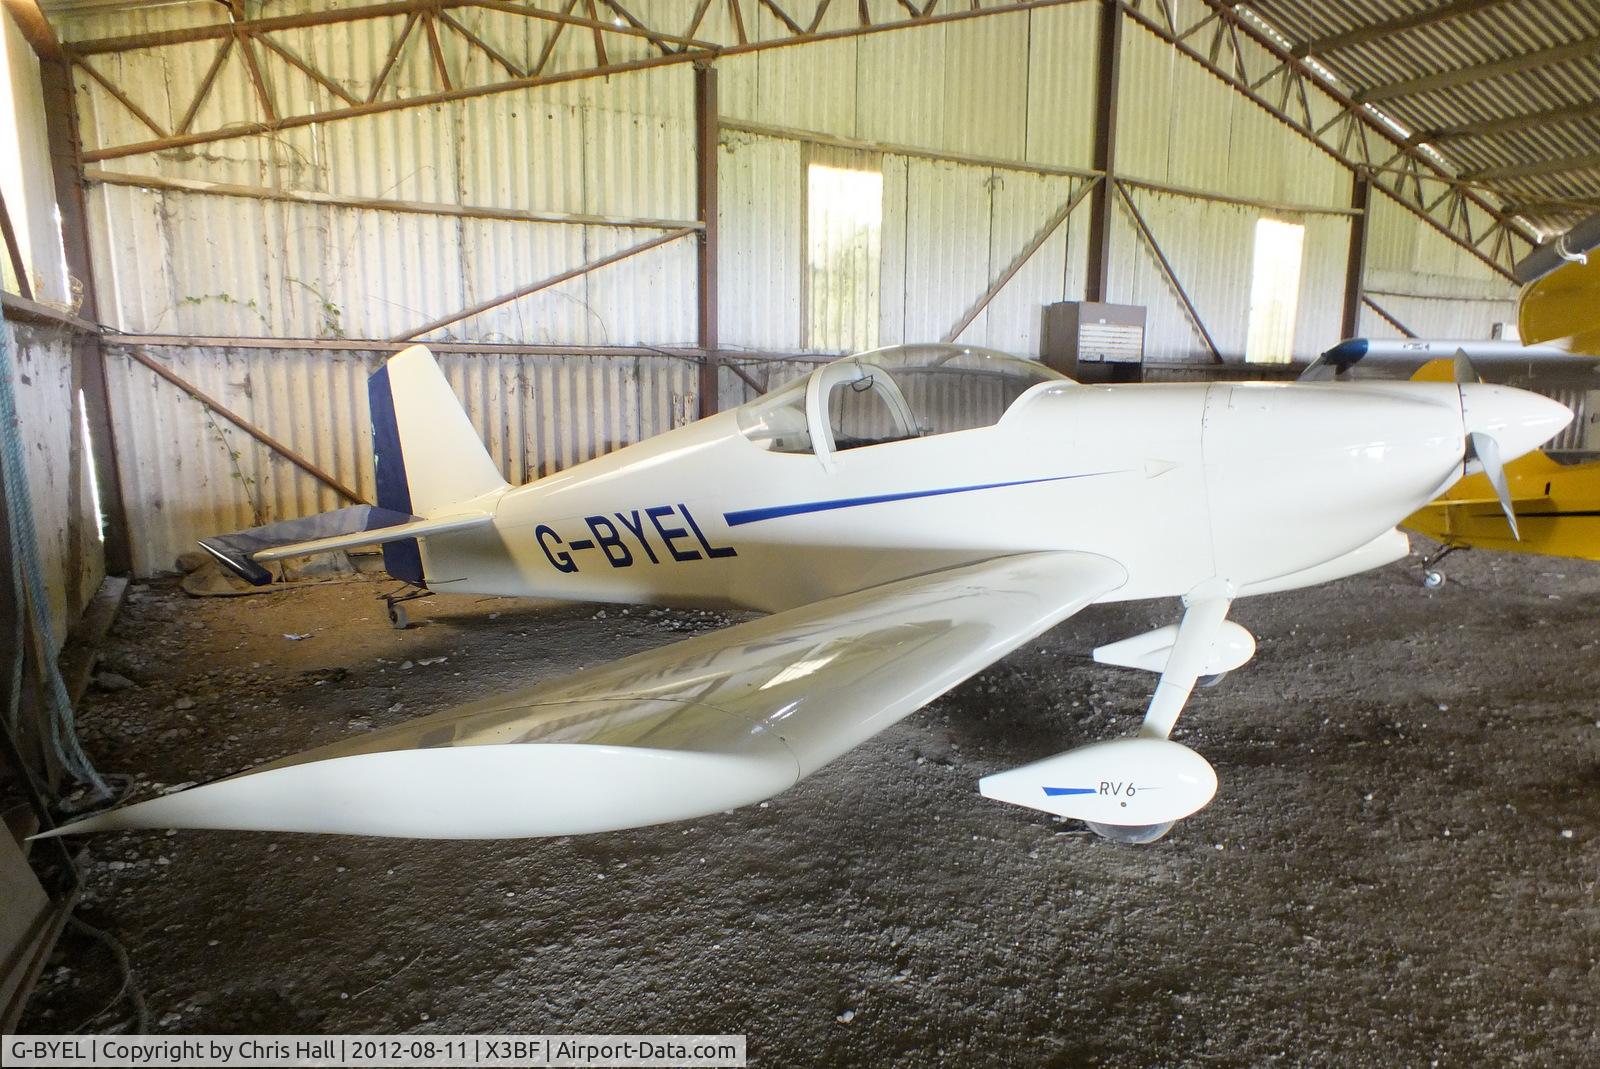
(1400, 867)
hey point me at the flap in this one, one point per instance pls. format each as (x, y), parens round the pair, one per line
(717, 721)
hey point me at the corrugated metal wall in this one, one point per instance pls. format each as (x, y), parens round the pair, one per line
(1427, 282)
(188, 473)
(50, 422)
(25, 173)
(1016, 87)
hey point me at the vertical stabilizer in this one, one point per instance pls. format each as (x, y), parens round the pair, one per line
(427, 456)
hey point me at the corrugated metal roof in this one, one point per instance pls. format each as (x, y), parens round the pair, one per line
(1525, 128)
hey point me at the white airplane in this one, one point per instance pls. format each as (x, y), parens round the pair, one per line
(907, 516)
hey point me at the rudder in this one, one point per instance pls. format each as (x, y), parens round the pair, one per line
(427, 456)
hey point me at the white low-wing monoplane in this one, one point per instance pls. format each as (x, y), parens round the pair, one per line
(907, 516)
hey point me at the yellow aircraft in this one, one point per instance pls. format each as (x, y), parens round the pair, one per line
(1549, 502)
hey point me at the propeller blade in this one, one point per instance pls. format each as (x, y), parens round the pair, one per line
(1464, 371)
(1487, 450)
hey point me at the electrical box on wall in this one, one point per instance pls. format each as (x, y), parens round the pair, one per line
(1094, 342)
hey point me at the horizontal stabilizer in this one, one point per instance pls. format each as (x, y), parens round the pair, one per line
(243, 552)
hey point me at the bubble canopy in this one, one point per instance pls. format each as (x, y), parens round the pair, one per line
(890, 395)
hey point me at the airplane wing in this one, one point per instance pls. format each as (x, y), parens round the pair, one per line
(1562, 290)
(717, 721)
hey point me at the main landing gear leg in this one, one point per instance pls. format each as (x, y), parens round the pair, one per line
(396, 611)
(1432, 577)
(1205, 609)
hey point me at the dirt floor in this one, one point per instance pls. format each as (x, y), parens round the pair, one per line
(1400, 867)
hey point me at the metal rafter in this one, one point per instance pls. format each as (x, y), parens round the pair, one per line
(1508, 124)
(1349, 132)
(1375, 31)
(1429, 83)
(627, 25)
(1539, 167)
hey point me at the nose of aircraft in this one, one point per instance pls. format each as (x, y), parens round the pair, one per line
(1517, 420)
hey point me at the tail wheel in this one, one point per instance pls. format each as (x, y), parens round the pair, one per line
(1132, 834)
(1432, 580)
(398, 618)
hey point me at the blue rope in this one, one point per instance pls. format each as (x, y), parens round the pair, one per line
(32, 600)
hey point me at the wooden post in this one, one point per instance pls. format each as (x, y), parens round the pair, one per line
(707, 136)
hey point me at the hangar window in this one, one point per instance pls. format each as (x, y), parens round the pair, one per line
(1274, 291)
(844, 226)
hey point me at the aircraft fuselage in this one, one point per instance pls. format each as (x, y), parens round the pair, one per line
(1250, 482)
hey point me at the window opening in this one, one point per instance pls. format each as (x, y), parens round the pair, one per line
(1274, 291)
(844, 229)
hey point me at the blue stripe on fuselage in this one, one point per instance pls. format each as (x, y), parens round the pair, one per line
(744, 516)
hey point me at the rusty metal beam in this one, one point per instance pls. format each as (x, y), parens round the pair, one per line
(632, 20)
(36, 29)
(217, 30)
(543, 284)
(706, 140)
(22, 310)
(694, 50)
(66, 167)
(483, 46)
(1108, 88)
(1430, 83)
(1355, 271)
(206, 83)
(431, 24)
(19, 266)
(1172, 275)
(1374, 31)
(122, 98)
(569, 19)
(694, 22)
(1508, 123)
(1392, 321)
(1050, 227)
(379, 204)
(1348, 136)
(748, 379)
(1538, 168)
(392, 58)
(283, 449)
(817, 137)
(257, 79)
(294, 61)
(550, 42)
(374, 345)
(1554, 204)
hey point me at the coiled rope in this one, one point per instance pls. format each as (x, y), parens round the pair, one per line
(32, 602)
